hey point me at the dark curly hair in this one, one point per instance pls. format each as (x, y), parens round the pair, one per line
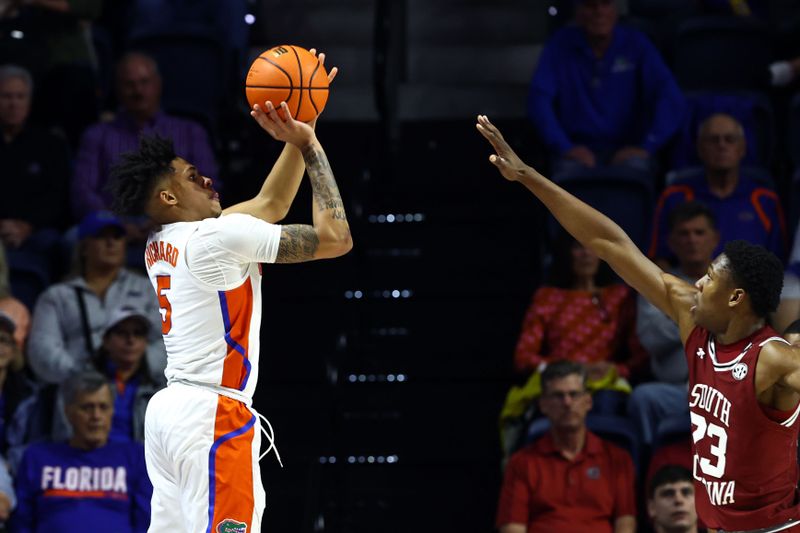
(136, 173)
(758, 272)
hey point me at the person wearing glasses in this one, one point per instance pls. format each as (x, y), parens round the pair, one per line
(745, 209)
(70, 317)
(569, 479)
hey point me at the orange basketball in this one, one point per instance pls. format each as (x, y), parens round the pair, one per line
(288, 74)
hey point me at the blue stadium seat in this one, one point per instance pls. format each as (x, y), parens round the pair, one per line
(752, 109)
(671, 429)
(625, 196)
(28, 276)
(722, 53)
(617, 429)
(758, 174)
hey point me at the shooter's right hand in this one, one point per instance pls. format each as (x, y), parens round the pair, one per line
(285, 129)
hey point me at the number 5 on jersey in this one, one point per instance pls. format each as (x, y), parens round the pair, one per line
(164, 283)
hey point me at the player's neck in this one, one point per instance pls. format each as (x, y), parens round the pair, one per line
(740, 328)
(569, 441)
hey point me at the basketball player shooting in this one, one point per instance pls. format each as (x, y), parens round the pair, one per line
(202, 436)
(744, 379)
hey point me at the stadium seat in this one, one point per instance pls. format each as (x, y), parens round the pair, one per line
(722, 53)
(671, 429)
(450, 70)
(28, 276)
(625, 196)
(616, 429)
(761, 175)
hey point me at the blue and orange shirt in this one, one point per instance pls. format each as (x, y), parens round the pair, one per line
(61, 488)
(752, 213)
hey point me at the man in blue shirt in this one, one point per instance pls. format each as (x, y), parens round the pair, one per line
(744, 208)
(601, 93)
(86, 482)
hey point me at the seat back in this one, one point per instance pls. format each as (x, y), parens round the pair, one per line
(722, 53)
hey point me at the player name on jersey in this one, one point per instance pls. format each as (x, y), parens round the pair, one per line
(161, 251)
(85, 479)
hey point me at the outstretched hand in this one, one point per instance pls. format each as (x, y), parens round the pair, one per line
(505, 159)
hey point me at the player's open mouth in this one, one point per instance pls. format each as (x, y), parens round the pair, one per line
(215, 196)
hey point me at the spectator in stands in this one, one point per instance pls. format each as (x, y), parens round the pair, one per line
(693, 237)
(670, 501)
(56, 46)
(581, 315)
(87, 481)
(15, 385)
(69, 317)
(121, 358)
(139, 93)
(35, 164)
(744, 209)
(569, 479)
(602, 95)
(9, 305)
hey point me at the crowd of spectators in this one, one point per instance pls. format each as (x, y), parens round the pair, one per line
(604, 97)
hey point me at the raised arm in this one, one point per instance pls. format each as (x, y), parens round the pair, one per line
(330, 234)
(596, 231)
(279, 189)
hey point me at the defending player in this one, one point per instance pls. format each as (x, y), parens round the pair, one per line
(202, 437)
(743, 378)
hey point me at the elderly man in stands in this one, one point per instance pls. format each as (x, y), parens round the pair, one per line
(86, 482)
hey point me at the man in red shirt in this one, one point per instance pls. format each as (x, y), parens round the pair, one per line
(569, 480)
(744, 379)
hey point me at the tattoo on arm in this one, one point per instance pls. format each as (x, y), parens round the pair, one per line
(323, 186)
(298, 243)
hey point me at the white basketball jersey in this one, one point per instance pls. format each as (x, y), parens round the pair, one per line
(207, 276)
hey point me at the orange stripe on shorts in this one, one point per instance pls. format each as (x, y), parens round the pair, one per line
(230, 468)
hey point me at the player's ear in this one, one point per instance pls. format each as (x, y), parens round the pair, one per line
(737, 297)
(167, 197)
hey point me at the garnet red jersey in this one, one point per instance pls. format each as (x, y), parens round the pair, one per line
(745, 455)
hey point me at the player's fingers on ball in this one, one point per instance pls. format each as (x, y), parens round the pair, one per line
(286, 113)
(272, 113)
(321, 58)
(332, 74)
(313, 52)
